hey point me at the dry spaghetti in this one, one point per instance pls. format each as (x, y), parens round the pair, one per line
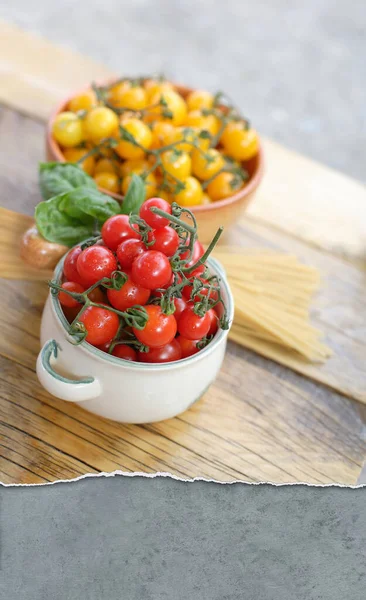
(272, 294)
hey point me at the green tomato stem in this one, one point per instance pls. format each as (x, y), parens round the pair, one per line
(207, 253)
(173, 219)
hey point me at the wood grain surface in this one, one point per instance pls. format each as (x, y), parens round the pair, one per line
(260, 421)
(264, 425)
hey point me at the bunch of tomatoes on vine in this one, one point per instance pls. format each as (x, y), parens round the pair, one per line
(189, 148)
(142, 290)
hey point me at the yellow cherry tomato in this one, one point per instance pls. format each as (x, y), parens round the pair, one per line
(153, 160)
(199, 99)
(107, 151)
(75, 154)
(152, 86)
(205, 166)
(225, 184)
(203, 142)
(192, 193)
(117, 90)
(229, 160)
(206, 199)
(101, 122)
(84, 101)
(188, 134)
(176, 163)
(174, 104)
(163, 134)
(150, 184)
(105, 165)
(136, 165)
(164, 195)
(142, 135)
(67, 129)
(240, 143)
(108, 181)
(209, 123)
(134, 98)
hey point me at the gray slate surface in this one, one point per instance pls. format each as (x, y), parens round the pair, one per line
(156, 539)
(296, 68)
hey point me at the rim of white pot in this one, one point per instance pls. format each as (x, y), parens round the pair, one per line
(89, 349)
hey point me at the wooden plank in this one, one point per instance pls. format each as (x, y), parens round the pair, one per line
(338, 310)
(35, 74)
(298, 195)
(235, 432)
(312, 202)
(39, 460)
(362, 477)
(12, 266)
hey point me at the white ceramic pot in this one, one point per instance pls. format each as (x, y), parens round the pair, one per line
(124, 391)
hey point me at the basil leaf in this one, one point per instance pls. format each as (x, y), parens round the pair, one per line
(56, 226)
(135, 196)
(56, 178)
(71, 217)
(85, 202)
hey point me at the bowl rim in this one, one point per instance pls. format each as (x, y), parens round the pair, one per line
(103, 356)
(225, 202)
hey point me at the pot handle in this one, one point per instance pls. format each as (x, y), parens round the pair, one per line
(76, 390)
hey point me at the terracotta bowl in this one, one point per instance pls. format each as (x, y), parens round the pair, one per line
(209, 216)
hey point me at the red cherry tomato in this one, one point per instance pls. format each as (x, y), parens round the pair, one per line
(97, 295)
(71, 313)
(67, 300)
(165, 287)
(213, 294)
(151, 270)
(188, 347)
(155, 221)
(166, 240)
(117, 229)
(158, 294)
(198, 252)
(129, 295)
(191, 326)
(128, 251)
(70, 270)
(214, 325)
(125, 352)
(180, 305)
(187, 290)
(104, 347)
(167, 353)
(96, 262)
(101, 325)
(159, 330)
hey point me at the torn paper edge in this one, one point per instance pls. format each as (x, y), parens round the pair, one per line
(182, 479)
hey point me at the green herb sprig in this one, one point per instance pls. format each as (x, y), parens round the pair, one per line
(73, 208)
